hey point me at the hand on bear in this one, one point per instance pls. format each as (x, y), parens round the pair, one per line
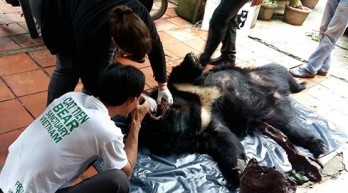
(164, 96)
(151, 103)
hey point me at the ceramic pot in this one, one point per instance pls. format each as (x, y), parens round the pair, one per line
(266, 12)
(309, 3)
(296, 16)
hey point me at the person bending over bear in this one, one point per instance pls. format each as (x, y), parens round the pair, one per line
(83, 34)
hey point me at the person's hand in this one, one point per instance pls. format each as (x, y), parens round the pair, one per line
(151, 103)
(164, 94)
(138, 115)
(256, 2)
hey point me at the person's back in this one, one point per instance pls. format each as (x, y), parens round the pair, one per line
(66, 138)
(74, 131)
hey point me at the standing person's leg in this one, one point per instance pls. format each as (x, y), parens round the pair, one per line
(332, 28)
(36, 6)
(64, 78)
(110, 181)
(228, 49)
(218, 26)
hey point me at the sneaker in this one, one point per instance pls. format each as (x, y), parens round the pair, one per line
(301, 73)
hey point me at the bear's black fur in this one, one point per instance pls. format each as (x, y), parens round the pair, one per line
(212, 111)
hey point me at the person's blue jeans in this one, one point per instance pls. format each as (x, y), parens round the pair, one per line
(333, 26)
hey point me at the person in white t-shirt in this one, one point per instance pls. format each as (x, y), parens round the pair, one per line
(75, 130)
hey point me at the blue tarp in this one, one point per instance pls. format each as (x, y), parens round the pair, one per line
(199, 173)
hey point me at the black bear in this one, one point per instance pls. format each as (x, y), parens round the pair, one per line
(212, 111)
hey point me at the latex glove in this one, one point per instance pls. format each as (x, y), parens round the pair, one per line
(166, 95)
(151, 103)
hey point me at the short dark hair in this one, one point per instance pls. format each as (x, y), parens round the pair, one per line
(119, 82)
(129, 31)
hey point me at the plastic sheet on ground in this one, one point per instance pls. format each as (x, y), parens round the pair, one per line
(199, 173)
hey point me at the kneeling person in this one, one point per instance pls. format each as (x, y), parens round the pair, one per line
(75, 130)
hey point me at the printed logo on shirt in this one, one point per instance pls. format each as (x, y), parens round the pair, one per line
(18, 188)
(63, 118)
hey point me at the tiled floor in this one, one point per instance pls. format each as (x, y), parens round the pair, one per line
(26, 65)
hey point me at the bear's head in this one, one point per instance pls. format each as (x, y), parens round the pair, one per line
(187, 71)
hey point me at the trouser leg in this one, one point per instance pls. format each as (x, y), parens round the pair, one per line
(229, 41)
(219, 22)
(110, 181)
(332, 28)
(36, 7)
(228, 49)
(64, 78)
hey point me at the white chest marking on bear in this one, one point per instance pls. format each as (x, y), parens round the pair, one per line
(207, 95)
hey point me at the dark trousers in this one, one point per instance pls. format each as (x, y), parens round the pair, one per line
(222, 28)
(64, 78)
(110, 181)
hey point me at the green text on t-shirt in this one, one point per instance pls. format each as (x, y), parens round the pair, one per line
(63, 118)
(18, 188)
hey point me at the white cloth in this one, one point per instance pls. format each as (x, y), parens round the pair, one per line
(60, 144)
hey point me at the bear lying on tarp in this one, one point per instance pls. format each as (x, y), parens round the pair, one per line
(212, 111)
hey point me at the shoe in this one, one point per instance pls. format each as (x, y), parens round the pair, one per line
(322, 72)
(223, 60)
(301, 73)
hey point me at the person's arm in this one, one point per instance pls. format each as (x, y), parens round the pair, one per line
(159, 68)
(156, 55)
(131, 144)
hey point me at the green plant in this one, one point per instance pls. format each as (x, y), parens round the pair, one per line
(271, 3)
(313, 36)
(296, 4)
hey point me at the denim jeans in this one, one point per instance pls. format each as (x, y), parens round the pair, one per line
(333, 26)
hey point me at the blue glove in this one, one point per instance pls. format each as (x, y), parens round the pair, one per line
(166, 95)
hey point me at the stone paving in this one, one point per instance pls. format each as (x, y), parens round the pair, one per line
(26, 65)
(327, 96)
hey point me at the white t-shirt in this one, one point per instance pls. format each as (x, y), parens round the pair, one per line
(60, 144)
